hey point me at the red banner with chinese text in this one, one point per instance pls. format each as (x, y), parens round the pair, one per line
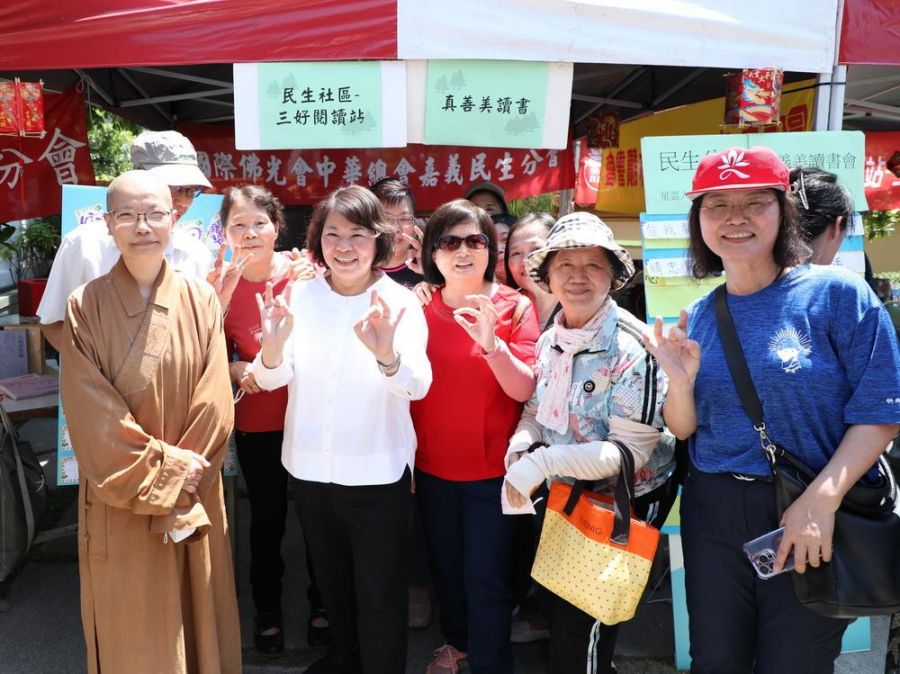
(33, 170)
(882, 186)
(621, 187)
(436, 173)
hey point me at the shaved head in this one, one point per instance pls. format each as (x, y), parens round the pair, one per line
(136, 184)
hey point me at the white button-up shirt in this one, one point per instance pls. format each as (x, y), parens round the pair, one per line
(346, 422)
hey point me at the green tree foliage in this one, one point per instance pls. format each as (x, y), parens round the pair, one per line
(110, 138)
(30, 248)
(541, 203)
(880, 223)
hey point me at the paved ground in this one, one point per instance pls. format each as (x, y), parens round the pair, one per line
(40, 630)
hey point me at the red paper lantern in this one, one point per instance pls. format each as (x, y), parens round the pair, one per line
(22, 108)
(753, 97)
(603, 130)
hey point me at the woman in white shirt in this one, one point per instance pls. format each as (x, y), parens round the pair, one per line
(349, 443)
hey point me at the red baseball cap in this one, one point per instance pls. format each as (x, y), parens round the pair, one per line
(739, 168)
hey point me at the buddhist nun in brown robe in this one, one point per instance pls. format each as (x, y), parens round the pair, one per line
(146, 393)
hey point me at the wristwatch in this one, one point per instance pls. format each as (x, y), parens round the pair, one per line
(389, 369)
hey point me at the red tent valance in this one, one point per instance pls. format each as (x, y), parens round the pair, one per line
(38, 34)
(870, 32)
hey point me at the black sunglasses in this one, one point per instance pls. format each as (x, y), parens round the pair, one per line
(449, 243)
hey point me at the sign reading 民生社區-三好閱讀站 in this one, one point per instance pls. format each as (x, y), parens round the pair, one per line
(339, 104)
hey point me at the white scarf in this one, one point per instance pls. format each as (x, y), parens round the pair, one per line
(553, 410)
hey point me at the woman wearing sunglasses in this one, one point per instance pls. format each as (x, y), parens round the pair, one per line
(481, 345)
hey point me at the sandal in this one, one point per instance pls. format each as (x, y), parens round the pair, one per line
(270, 645)
(318, 635)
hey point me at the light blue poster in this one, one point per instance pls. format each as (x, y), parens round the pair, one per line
(85, 205)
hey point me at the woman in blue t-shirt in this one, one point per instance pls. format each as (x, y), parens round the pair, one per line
(822, 356)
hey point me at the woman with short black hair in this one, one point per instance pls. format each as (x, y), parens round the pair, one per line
(821, 353)
(349, 442)
(481, 344)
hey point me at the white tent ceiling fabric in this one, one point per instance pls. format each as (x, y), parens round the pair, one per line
(797, 36)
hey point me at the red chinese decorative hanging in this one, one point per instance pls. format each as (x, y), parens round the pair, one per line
(22, 108)
(753, 97)
(893, 164)
(603, 130)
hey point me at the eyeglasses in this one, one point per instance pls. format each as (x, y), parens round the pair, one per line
(190, 192)
(720, 212)
(449, 243)
(128, 218)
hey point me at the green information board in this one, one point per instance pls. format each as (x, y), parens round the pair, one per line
(341, 104)
(486, 103)
(669, 162)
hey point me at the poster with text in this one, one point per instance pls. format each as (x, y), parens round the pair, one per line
(669, 162)
(85, 206)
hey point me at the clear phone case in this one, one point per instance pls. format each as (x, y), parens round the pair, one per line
(761, 553)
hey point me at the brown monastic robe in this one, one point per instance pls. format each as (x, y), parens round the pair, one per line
(140, 385)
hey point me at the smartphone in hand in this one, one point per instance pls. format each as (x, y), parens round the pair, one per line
(761, 553)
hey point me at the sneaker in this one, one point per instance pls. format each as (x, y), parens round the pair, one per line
(419, 608)
(528, 629)
(446, 660)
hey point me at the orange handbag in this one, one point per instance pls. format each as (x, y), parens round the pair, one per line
(593, 553)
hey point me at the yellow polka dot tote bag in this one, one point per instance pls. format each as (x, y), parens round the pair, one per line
(592, 552)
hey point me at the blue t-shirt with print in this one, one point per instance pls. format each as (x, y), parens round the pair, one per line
(822, 355)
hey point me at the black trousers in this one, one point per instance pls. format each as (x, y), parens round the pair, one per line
(738, 622)
(259, 456)
(571, 648)
(357, 539)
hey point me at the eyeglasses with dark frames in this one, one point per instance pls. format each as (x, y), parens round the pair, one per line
(181, 191)
(129, 218)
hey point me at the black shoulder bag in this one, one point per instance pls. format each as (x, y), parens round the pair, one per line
(23, 497)
(863, 576)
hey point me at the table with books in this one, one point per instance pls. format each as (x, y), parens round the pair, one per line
(29, 385)
(31, 395)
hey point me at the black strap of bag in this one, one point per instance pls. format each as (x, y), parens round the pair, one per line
(863, 577)
(868, 500)
(740, 373)
(10, 430)
(624, 494)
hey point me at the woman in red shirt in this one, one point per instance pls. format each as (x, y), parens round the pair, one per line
(252, 217)
(481, 339)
